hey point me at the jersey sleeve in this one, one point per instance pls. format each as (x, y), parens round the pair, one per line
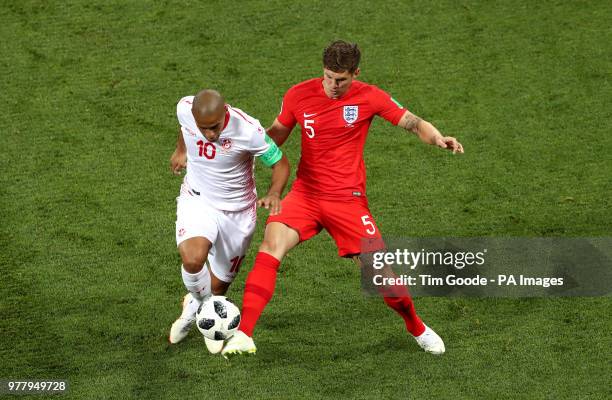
(287, 115)
(263, 147)
(386, 106)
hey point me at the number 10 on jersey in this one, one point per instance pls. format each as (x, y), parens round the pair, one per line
(207, 149)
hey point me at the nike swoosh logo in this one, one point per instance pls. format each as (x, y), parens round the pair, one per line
(309, 115)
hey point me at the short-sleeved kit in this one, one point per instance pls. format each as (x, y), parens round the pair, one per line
(218, 195)
(330, 188)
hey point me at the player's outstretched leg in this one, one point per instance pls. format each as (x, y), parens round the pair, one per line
(258, 291)
(400, 301)
(260, 284)
(398, 298)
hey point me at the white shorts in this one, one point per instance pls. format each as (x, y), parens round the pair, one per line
(230, 232)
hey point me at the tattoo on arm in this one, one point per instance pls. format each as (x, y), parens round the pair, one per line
(412, 123)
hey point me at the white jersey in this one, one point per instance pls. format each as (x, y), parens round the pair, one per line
(221, 173)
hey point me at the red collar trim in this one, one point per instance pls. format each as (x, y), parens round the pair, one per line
(226, 118)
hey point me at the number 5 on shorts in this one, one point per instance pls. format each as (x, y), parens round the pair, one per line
(366, 222)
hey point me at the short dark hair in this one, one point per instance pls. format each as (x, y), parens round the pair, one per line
(341, 56)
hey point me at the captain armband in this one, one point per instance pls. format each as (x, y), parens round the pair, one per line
(272, 155)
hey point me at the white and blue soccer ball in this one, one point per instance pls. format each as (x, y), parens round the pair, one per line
(218, 318)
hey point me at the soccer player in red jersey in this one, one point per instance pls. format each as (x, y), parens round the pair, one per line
(335, 113)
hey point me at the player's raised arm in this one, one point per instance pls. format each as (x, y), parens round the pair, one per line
(278, 132)
(428, 133)
(178, 160)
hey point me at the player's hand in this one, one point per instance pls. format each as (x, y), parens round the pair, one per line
(270, 202)
(450, 143)
(178, 162)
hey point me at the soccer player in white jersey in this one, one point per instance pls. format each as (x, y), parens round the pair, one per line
(216, 214)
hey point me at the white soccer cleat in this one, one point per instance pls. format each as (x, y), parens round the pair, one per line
(214, 346)
(240, 343)
(181, 327)
(430, 341)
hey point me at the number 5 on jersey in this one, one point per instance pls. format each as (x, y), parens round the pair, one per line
(310, 132)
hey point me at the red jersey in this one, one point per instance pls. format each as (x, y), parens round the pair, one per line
(334, 132)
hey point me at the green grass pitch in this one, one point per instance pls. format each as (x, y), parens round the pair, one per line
(89, 270)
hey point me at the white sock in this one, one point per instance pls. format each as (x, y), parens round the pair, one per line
(198, 284)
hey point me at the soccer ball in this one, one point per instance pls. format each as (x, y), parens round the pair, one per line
(218, 318)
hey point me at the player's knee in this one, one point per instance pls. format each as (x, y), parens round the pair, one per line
(278, 240)
(193, 262)
(273, 246)
(194, 252)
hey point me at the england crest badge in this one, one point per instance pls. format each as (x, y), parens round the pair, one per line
(351, 113)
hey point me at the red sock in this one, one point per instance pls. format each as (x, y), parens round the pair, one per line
(258, 290)
(398, 298)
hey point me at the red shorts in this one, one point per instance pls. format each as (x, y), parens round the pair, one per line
(349, 222)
